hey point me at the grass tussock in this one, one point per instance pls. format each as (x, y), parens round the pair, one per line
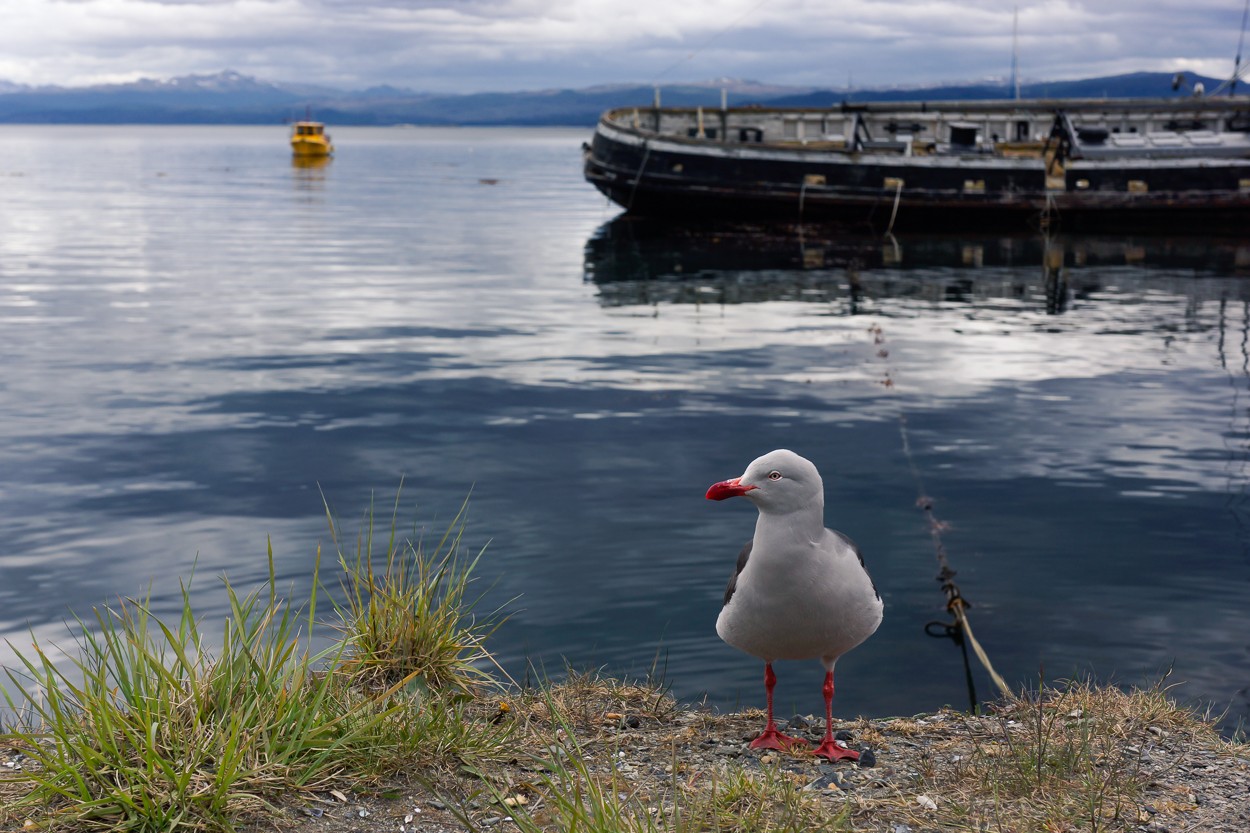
(149, 729)
(152, 729)
(408, 616)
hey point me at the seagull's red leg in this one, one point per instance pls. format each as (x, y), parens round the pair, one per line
(829, 748)
(771, 738)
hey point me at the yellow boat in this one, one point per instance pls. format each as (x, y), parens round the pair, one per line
(310, 140)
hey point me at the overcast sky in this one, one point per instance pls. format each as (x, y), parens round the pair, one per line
(481, 45)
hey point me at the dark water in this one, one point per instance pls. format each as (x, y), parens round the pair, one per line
(199, 337)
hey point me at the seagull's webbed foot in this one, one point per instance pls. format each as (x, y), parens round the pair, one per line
(770, 738)
(834, 751)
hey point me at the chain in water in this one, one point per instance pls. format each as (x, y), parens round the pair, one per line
(959, 629)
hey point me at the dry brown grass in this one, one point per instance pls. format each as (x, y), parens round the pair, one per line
(1062, 758)
(1065, 758)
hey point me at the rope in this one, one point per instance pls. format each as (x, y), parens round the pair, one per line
(898, 192)
(959, 630)
(646, 152)
(707, 42)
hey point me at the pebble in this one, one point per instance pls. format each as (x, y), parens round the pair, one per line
(844, 736)
(867, 758)
(926, 802)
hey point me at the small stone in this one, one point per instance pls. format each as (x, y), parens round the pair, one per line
(633, 721)
(926, 802)
(844, 736)
(799, 722)
(902, 828)
(436, 804)
(867, 758)
(363, 813)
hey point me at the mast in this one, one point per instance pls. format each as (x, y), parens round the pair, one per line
(1015, 50)
(1232, 84)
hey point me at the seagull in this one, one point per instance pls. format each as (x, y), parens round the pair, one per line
(800, 591)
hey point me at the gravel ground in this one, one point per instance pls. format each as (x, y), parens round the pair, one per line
(1192, 781)
(930, 773)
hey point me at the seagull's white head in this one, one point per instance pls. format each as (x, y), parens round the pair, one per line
(780, 481)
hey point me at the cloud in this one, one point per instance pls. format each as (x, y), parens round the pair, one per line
(469, 45)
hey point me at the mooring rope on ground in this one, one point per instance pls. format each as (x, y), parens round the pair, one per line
(959, 630)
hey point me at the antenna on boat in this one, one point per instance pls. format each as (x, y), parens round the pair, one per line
(1015, 51)
(1231, 83)
(1241, 39)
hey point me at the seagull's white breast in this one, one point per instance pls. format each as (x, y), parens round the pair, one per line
(800, 600)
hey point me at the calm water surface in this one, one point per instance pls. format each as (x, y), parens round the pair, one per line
(199, 337)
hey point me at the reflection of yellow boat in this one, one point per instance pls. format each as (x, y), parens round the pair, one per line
(298, 161)
(310, 140)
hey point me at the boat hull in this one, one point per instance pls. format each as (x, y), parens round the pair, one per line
(309, 140)
(655, 175)
(311, 147)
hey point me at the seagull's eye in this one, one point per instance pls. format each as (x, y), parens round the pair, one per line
(774, 475)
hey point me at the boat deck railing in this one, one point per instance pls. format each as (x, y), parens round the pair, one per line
(1128, 126)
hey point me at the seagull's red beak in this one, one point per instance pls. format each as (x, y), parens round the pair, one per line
(728, 488)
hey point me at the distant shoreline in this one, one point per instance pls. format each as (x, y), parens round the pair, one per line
(229, 98)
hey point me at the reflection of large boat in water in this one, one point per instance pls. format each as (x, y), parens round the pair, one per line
(637, 261)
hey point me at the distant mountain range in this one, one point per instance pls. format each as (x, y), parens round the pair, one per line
(231, 98)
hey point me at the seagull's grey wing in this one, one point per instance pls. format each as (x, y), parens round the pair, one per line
(733, 580)
(855, 549)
